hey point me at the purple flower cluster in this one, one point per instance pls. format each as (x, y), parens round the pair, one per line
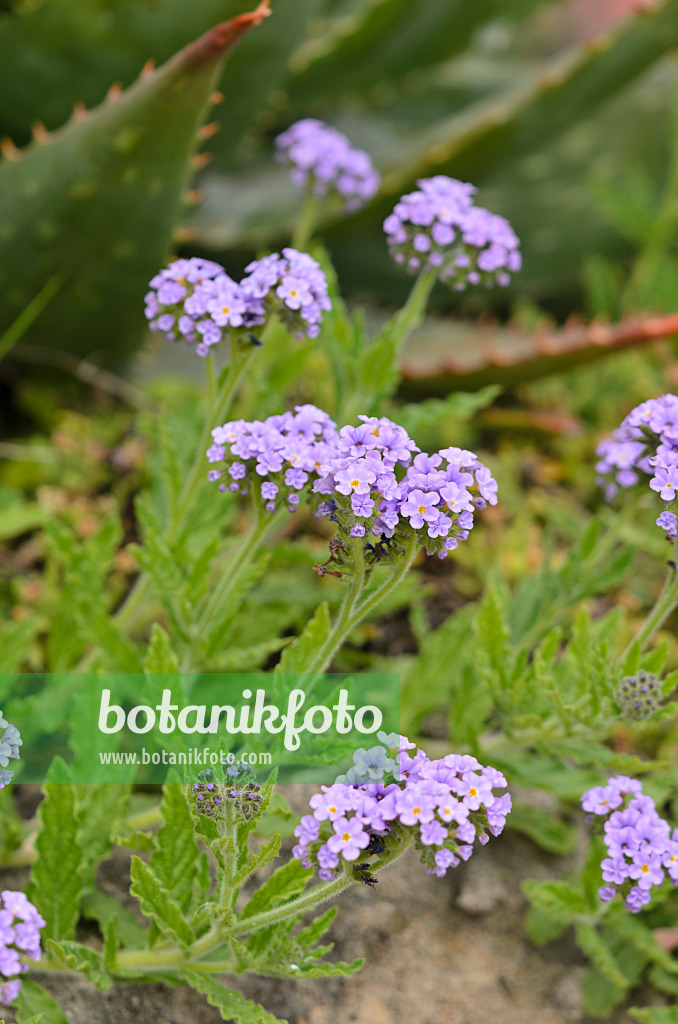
(293, 286)
(646, 442)
(373, 477)
(195, 299)
(276, 455)
(390, 794)
(9, 748)
(20, 925)
(322, 159)
(641, 848)
(439, 227)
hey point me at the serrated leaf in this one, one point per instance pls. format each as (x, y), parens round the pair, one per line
(157, 904)
(79, 957)
(230, 1003)
(56, 883)
(598, 951)
(220, 626)
(313, 932)
(15, 641)
(284, 884)
(325, 970)
(160, 656)
(99, 808)
(264, 855)
(491, 628)
(302, 652)
(175, 857)
(100, 200)
(104, 909)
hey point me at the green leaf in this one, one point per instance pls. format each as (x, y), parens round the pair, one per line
(264, 855)
(541, 927)
(597, 950)
(99, 808)
(99, 201)
(160, 656)
(78, 957)
(156, 903)
(655, 1014)
(313, 932)
(301, 653)
(230, 1003)
(34, 1004)
(491, 628)
(15, 641)
(559, 900)
(220, 626)
(544, 829)
(635, 931)
(56, 880)
(175, 857)
(505, 129)
(284, 884)
(103, 909)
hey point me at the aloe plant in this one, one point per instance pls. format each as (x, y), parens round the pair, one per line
(96, 201)
(414, 83)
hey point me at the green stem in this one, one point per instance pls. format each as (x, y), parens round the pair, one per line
(211, 380)
(353, 610)
(140, 961)
(410, 316)
(390, 583)
(666, 603)
(303, 232)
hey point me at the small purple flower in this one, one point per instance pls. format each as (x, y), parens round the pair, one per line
(291, 285)
(433, 833)
(349, 838)
(668, 522)
(20, 925)
(419, 507)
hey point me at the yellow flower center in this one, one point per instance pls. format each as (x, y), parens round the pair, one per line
(355, 483)
(346, 837)
(421, 509)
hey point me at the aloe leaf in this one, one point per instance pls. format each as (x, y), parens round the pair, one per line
(56, 54)
(97, 200)
(387, 41)
(448, 357)
(495, 133)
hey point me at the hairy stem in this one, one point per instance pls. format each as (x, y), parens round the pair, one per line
(666, 603)
(303, 232)
(356, 605)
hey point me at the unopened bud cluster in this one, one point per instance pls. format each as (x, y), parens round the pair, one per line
(639, 696)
